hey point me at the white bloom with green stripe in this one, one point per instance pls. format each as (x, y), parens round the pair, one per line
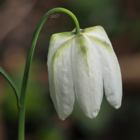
(82, 66)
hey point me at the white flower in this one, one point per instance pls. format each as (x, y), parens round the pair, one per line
(83, 66)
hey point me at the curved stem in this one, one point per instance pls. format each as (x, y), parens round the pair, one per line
(7, 77)
(29, 60)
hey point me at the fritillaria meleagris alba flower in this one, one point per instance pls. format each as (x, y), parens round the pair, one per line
(82, 66)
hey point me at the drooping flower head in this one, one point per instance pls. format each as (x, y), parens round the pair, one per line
(83, 66)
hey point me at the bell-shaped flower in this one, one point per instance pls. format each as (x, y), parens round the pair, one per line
(83, 66)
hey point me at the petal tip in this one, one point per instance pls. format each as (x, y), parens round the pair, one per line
(95, 113)
(62, 118)
(117, 106)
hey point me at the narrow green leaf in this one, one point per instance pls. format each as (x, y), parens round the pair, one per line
(7, 77)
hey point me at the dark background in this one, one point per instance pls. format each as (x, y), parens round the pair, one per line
(18, 20)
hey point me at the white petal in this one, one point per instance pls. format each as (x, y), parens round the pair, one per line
(87, 76)
(98, 32)
(60, 75)
(56, 41)
(111, 71)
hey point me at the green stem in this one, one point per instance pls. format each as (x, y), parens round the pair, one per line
(21, 122)
(28, 63)
(7, 77)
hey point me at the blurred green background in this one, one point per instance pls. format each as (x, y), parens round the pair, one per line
(18, 20)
